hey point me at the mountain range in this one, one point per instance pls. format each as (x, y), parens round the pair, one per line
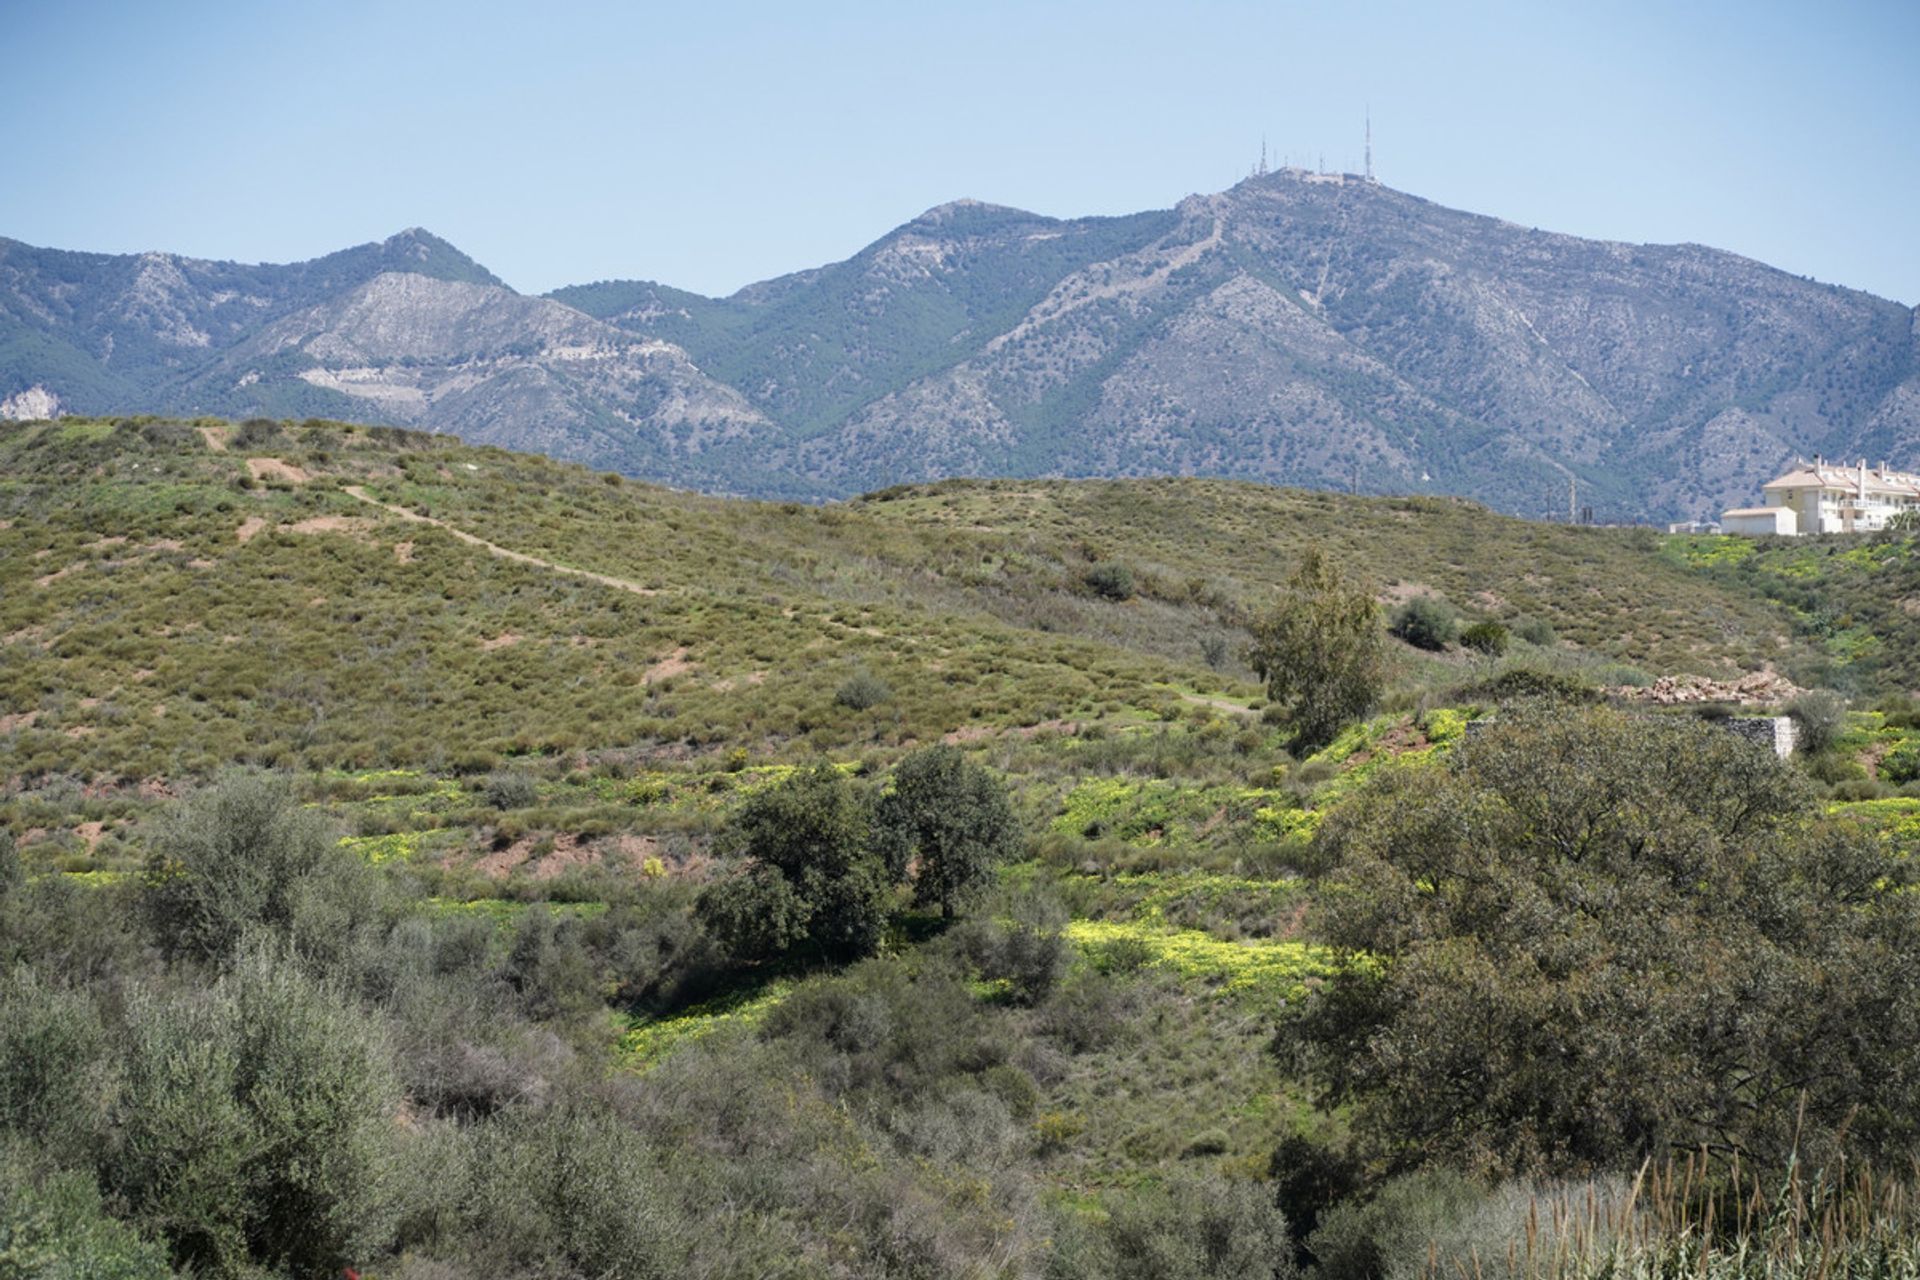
(1300, 328)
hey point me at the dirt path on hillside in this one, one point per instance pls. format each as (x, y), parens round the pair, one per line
(604, 579)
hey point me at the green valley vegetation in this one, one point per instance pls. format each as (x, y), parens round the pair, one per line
(440, 862)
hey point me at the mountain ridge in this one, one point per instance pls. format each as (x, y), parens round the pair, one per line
(1299, 328)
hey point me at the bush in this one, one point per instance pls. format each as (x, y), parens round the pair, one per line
(1527, 683)
(258, 433)
(569, 1192)
(1191, 1228)
(1425, 622)
(1536, 631)
(1822, 717)
(1028, 952)
(53, 1076)
(510, 789)
(1490, 638)
(13, 873)
(1110, 581)
(1902, 764)
(1389, 1236)
(862, 692)
(240, 855)
(53, 1227)
(256, 1122)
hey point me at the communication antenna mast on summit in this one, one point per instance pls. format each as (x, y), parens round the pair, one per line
(1369, 144)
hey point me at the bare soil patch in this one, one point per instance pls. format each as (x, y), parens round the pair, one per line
(403, 552)
(51, 578)
(248, 528)
(674, 664)
(500, 641)
(330, 524)
(216, 438)
(568, 854)
(275, 469)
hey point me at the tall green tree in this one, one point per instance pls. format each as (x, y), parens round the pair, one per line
(812, 878)
(1593, 937)
(1319, 650)
(949, 818)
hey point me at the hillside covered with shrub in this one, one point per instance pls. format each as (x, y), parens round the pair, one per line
(443, 862)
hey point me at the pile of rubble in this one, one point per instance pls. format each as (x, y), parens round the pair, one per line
(1674, 691)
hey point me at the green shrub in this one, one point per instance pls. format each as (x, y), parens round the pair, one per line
(13, 873)
(1318, 650)
(1110, 581)
(242, 854)
(863, 691)
(256, 1122)
(511, 789)
(1561, 880)
(1425, 622)
(53, 1068)
(1902, 764)
(54, 1227)
(1190, 1228)
(1029, 952)
(1388, 1237)
(1833, 767)
(1490, 638)
(1527, 683)
(951, 820)
(1822, 717)
(1536, 631)
(811, 879)
(569, 1191)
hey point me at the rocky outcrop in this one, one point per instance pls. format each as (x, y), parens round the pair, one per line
(31, 405)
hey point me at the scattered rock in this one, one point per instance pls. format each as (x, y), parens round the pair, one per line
(1753, 688)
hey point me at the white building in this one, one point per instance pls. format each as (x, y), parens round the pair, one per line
(1824, 498)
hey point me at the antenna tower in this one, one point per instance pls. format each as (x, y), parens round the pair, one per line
(1262, 170)
(1369, 144)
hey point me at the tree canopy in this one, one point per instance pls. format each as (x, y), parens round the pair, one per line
(813, 879)
(1594, 936)
(954, 818)
(1318, 649)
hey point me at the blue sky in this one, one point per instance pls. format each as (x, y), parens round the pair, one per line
(708, 145)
